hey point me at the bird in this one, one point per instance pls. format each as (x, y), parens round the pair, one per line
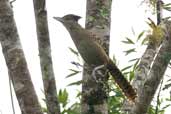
(91, 50)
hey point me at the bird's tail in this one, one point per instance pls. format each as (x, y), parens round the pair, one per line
(121, 81)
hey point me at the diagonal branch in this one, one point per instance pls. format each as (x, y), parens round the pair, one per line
(150, 81)
(16, 62)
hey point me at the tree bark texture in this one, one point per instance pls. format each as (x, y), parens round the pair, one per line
(148, 78)
(95, 92)
(45, 57)
(16, 63)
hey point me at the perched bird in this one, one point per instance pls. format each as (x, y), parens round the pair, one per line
(92, 52)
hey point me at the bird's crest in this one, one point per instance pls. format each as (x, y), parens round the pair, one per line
(71, 17)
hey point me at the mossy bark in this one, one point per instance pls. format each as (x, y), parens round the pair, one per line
(16, 62)
(45, 57)
(147, 77)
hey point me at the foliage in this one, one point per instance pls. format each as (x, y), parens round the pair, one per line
(133, 43)
(137, 42)
(157, 33)
(161, 103)
(167, 85)
(167, 6)
(77, 70)
(74, 72)
(74, 51)
(63, 97)
(160, 107)
(116, 97)
(64, 102)
(79, 82)
(152, 5)
(152, 110)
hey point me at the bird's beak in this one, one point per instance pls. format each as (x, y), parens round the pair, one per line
(58, 19)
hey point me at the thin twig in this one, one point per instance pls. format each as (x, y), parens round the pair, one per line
(158, 97)
(12, 100)
(159, 4)
(11, 2)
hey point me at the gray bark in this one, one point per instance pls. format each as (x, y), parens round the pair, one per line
(94, 94)
(45, 57)
(147, 79)
(16, 63)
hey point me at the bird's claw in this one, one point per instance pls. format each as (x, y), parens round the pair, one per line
(96, 70)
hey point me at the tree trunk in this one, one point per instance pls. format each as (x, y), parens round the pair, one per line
(45, 57)
(95, 92)
(16, 63)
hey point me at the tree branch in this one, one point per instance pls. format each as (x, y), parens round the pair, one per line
(45, 57)
(16, 62)
(149, 80)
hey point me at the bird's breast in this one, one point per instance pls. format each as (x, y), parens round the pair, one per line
(91, 52)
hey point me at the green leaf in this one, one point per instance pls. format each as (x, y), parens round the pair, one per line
(132, 60)
(136, 64)
(131, 75)
(125, 73)
(167, 7)
(168, 80)
(114, 59)
(128, 67)
(151, 110)
(151, 24)
(74, 51)
(79, 94)
(129, 51)
(74, 72)
(140, 35)
(76, 83)
(145, 41)
(166, 106)
(63, 97)
(128, 41)
(169, 4)
(75, 108)
(161, 112)
(167, 86)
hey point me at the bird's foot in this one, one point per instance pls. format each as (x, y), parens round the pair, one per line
(97, 71)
